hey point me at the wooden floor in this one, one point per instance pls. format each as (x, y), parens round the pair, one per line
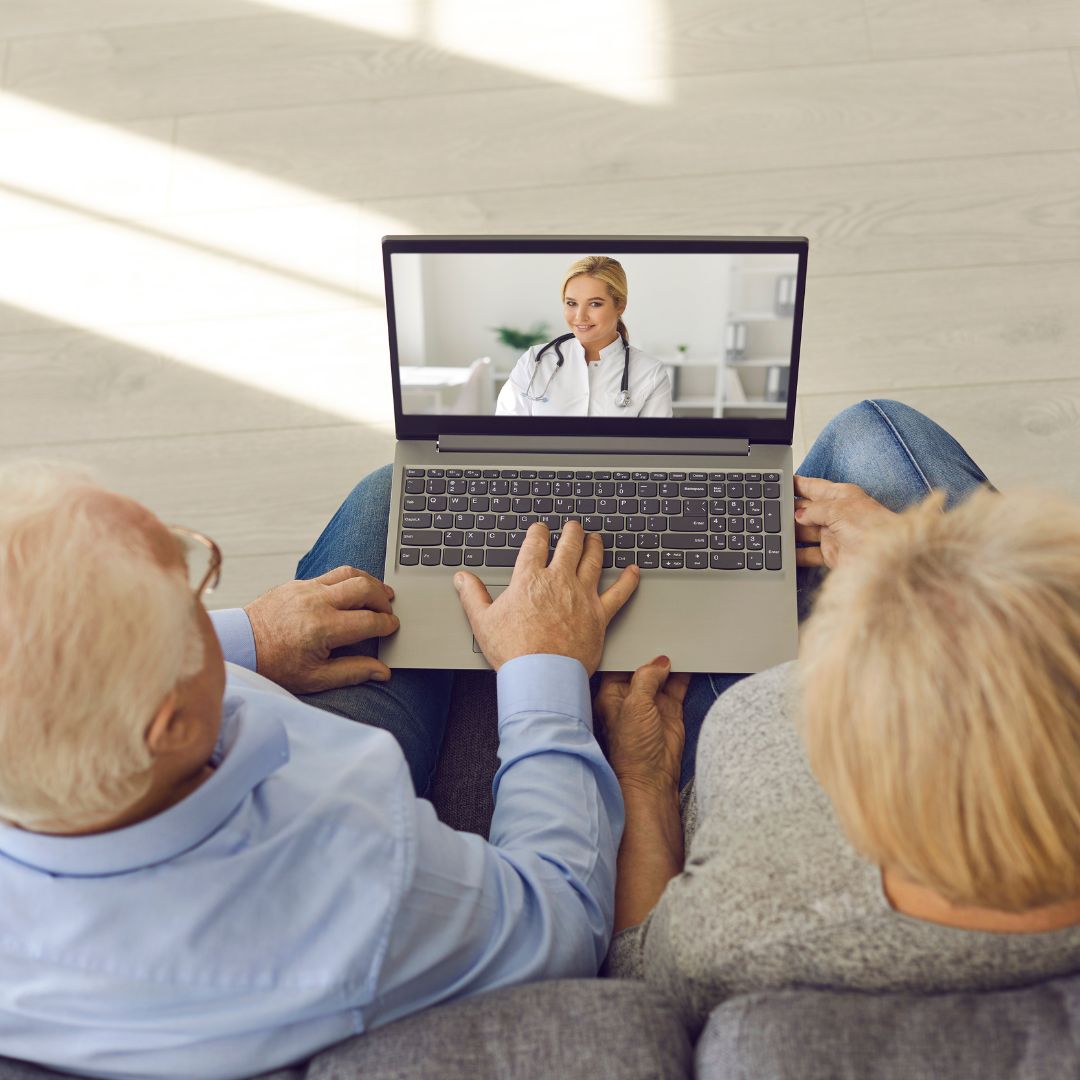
(192, 193)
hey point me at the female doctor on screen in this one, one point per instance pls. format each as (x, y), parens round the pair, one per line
(593, 370)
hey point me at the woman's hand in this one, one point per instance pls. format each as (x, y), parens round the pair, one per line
(298, 624)
(835, 519)
(641, 718)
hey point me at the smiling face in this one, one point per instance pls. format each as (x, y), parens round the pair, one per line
(591, 313)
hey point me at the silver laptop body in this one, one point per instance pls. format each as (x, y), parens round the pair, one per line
(720, 318)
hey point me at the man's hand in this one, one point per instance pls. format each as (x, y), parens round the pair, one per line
(548, 609)
(835, 519)
(297, 625)
(642, 721)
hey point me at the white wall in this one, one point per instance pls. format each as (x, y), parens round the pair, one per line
(673, 299)
(409, 320)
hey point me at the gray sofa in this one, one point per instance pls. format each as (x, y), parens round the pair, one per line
(596, 1029)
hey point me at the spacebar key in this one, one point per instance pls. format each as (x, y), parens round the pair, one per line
(500, 556)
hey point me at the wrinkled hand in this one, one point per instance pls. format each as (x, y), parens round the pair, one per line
(297, 625)
(641, 718)
(835, 519)
(548, 609)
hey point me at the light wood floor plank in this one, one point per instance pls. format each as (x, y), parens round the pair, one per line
(907, 28)
(742, 122)
(124, 171)
(998, 209)
(62, 384)
(100, 274)
(283, 59)
(1011, 324)
(23, 18)
(1020, 434)
(256, 493)
(271, 62)
(1054, 22)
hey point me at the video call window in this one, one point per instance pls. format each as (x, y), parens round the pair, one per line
(681, 335)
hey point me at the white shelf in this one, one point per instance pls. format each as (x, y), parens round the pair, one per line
(694, 402)
(756, 403)
(691, 361)
(758, 316)
(762, 361)
(747, 271)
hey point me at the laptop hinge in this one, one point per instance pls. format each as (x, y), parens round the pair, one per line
(588, 444)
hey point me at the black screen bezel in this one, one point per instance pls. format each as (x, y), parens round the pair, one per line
(757, 429)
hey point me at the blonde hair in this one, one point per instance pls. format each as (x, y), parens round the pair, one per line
(941, 699)
(94, 633)
(610, 272)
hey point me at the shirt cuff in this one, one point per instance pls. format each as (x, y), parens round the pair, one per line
(544, 683)
(233, 629)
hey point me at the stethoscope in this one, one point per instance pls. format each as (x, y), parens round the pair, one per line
(622, 399)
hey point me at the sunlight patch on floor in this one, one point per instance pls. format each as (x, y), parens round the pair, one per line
(611, 48)
(89, 241)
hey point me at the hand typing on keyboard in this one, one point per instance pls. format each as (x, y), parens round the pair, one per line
(548, 609)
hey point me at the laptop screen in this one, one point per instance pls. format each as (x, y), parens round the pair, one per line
(595, 335)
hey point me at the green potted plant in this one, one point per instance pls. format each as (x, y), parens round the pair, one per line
(520, 340)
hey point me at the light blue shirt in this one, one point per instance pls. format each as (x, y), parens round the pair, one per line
(303, 894)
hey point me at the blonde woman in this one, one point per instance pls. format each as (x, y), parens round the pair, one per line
(900, 810)
(592, 370)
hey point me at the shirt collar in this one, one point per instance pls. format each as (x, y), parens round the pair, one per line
(251, 747)
(614, 349)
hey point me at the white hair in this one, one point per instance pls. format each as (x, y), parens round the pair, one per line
(94, 634)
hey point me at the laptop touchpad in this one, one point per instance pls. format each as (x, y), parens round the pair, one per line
(493, 591)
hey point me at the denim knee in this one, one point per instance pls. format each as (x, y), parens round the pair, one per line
(865, 418)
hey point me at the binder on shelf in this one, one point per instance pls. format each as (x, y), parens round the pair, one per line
(776, 383)
(729, 341)
(784, 299)
(735, 341)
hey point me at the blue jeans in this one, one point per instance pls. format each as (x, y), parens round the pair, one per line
(892, 452)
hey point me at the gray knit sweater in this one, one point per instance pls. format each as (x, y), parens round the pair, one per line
(773, 895)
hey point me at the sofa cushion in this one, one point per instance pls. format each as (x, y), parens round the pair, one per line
(1026, 1034)
(567, 1029)
(590, 1029)
(21, 1070)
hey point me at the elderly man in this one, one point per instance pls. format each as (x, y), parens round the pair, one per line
(203, 875)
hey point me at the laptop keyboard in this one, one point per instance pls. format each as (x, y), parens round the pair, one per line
(658, 520)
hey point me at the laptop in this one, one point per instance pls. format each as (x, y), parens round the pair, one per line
(644, 386)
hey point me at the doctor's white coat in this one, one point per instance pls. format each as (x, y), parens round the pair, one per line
(580, 389)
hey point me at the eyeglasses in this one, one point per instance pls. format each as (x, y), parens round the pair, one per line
(203, 559)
